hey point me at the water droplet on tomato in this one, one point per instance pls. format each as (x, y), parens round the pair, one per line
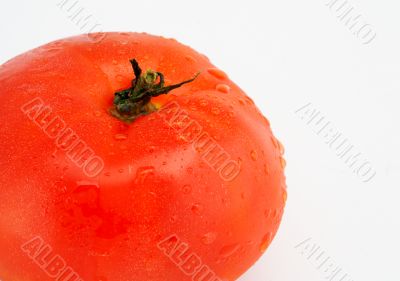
(249, 101)
(283, 162)
(265, 242)
(266, 169)
(217, 73)
(280, 147)
(143, 173)
(275, 213)
(229, 250)
(231, 114)
(266, 121)
(190, 58)
(197, 209)
(208, 238)
(119, 78)
(215, 111)
(241, 102)
(203, 103)
(120, 137)
(223, 88)
(254, 155)
(186, 189)
(267, 213)
(115, 62)
(274, 141)
(284, 195)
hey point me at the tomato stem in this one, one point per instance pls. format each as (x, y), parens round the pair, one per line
(135, 101)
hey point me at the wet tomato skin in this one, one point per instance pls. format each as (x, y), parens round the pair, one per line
(158, 188)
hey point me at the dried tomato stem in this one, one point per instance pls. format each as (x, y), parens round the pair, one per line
(136, 100)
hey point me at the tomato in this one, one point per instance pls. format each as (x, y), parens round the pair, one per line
(108, 174)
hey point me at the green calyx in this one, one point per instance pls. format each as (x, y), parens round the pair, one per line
(136, 100)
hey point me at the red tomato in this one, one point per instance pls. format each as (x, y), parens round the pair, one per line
(188, 185)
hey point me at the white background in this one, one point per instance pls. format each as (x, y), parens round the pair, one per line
(285, 54)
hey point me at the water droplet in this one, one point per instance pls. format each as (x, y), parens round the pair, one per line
(97, 113)
(215, 111)
(217, 73)
(229, 250)
(266, 121)
(203, 103)
(223, 88)
(151, 149)
(121, 170)
(120, 137)
(283, 162)
(197, 209)
(266, 169)
(107, 174)
(249, 101)
(143, 173)
(190, 58)
(59, 185)
(186, 189)
(115, 62)
(265, 242)
(231, 114)
(241, 102)
(254, 155)
(280, 147)
(275, 213)
(274, 141)
(119, 78)
(208, 238)
(267, 213)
